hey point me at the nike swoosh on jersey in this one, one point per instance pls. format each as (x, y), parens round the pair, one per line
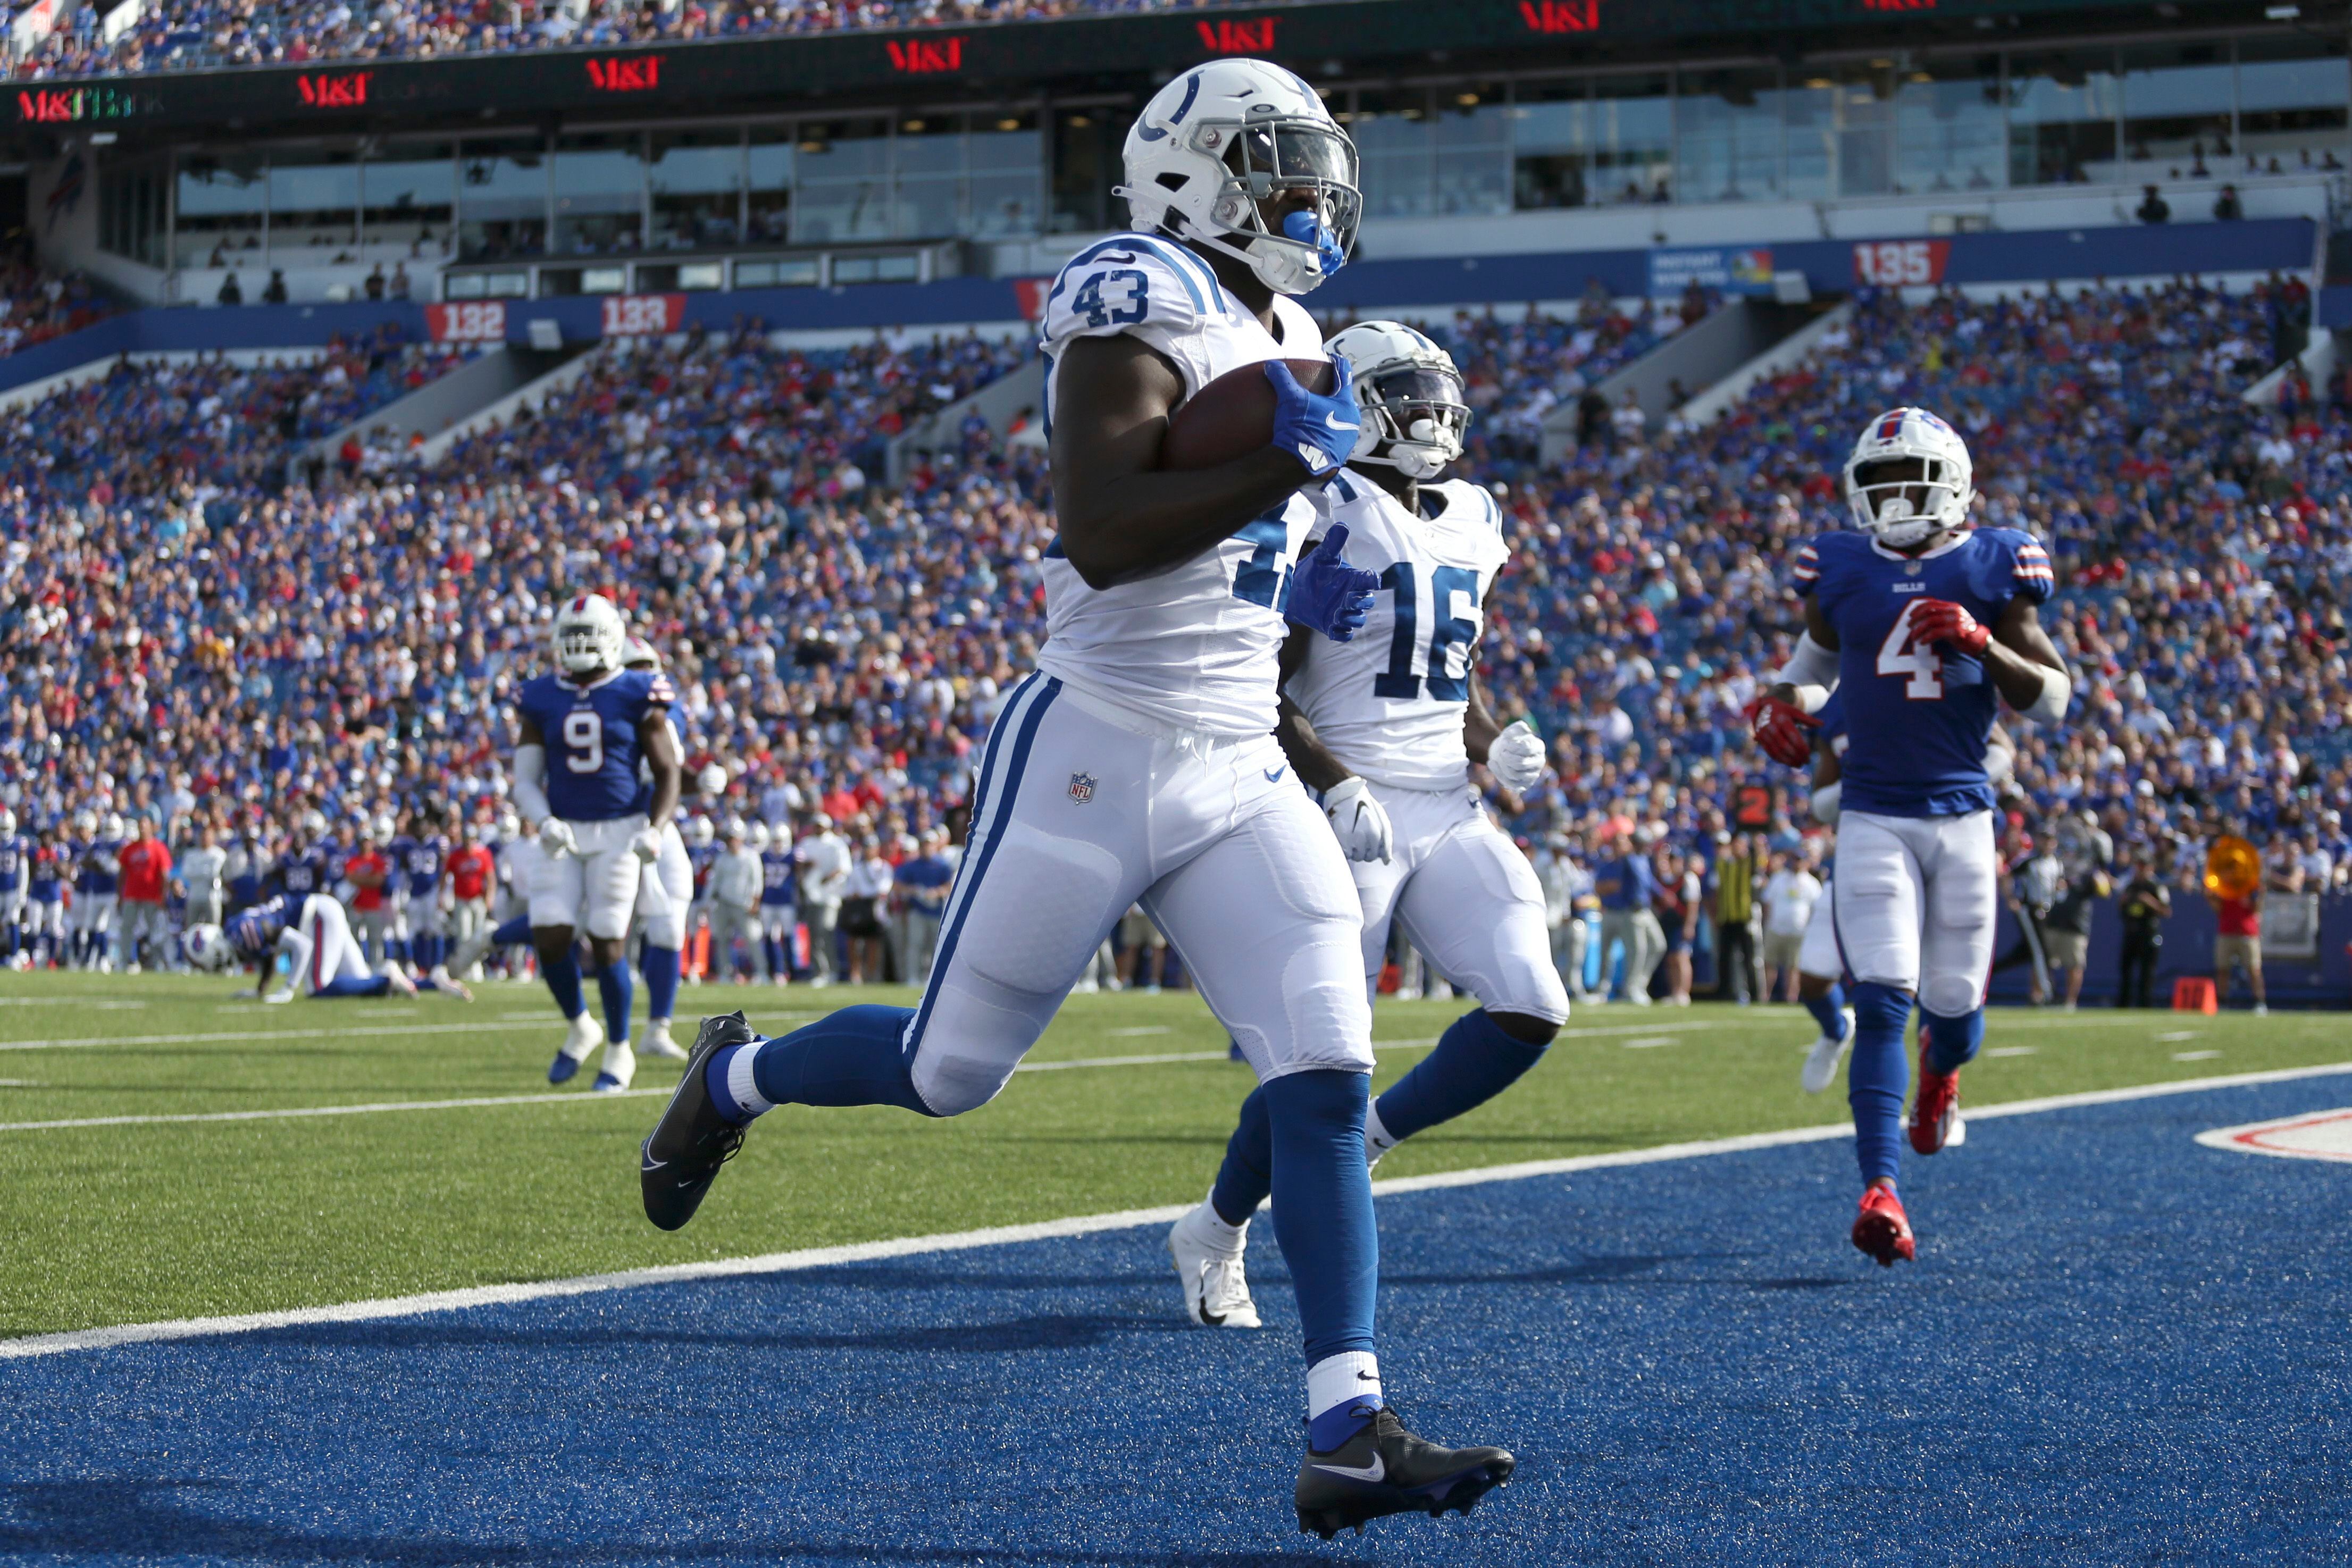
(1336, 423)
(1272, 774)
(1378, 1470)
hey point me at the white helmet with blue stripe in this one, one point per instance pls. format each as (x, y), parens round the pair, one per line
(1410, 392)
(1225, 136)
(205, 946)
(590, 636)
(1909, 478)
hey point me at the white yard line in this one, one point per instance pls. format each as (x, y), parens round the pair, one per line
(229, 1035)
(1000, 1236)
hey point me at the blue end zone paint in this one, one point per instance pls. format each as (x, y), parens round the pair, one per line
(2118, 1347)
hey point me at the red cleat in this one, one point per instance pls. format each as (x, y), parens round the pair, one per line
(1882, 1229)
(1935, 1109)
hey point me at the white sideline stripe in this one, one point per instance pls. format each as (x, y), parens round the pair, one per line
(575, 1097)
(1044, 1230)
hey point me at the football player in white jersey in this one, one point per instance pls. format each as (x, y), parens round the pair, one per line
(1385, 727)
(1139, 764)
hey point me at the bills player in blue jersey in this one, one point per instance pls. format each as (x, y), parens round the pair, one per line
(1924, 626)
(97, 892)
(15, 891)
(311, 933)
(1139, 763)
(417, 855)
(303, 865)
(581, 736)
(1384, 727)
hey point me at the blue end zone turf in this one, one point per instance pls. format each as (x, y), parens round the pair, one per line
(2117, 1347)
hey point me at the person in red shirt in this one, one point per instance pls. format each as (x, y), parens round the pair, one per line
(146, 865)
(472, 870)
(2238, 944)
(374, 916)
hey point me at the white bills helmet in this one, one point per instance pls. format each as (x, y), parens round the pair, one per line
(700, 832)
(637, 654)
(1909, 478)
(1225, 136)
(756, 830)
(589, 635)
(206, 947)
(111, 829)
(711, 780)
(1415, 410)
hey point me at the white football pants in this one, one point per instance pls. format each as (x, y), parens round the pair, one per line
(1082, 808)
(1817, 953)
(594, 887)
(665, 891)
(1467, 898)
(1915, 906)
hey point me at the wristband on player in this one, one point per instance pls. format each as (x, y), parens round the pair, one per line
(1326, 593)
(1319, 429)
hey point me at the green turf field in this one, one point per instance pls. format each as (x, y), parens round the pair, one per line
(128, 1223)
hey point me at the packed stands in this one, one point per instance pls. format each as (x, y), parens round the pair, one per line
(181, 627)
(37, 305)
(189, 35)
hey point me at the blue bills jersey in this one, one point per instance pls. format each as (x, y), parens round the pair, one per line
(418, 862)
(1832, 719)
(1919, 714)
(255, 932)
(776, 877)
(95, 877)
(15, 862)
(304, 872)
(591, 733)
(48, 875)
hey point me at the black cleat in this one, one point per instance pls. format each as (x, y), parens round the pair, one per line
(1386, 1469)
(692, 1139)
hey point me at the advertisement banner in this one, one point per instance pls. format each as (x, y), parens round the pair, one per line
(1734, 270)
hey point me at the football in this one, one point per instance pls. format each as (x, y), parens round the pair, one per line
(1232, 416)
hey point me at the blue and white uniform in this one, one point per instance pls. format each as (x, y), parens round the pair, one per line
(97, 893)
(304, 872)
(322, 958)
(593, 785)
(1817, 954)
(1916, 869)
(16, 879)
(1140, 764)
(1390, 706)
(416, 866)
(665, 883)
(47, 880)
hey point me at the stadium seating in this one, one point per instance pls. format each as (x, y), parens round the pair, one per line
(185, 628)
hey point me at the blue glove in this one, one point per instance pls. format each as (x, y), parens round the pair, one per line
(1308, 229)
(1319, 430)
(1328, 594)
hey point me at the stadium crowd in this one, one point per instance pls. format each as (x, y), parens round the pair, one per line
(200, 628)
(187, 34)
(37, 305)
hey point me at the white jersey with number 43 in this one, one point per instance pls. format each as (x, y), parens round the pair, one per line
(1196, 645)
(1390, 702)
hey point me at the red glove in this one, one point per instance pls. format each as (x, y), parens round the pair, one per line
(1781, 729)
(1941, 620)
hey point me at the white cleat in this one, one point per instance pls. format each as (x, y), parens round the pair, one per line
(1956, 1133)
(1216, 1289)
(274, 997)
(620, 1066)
(1823, 1060)
(657, 1042)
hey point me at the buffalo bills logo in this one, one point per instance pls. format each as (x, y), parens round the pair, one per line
(1082, 787)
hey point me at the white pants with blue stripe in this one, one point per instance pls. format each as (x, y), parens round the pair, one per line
(1915, 903)
(1084, 807)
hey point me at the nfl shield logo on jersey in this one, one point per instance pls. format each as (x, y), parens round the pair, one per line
(1082, 787)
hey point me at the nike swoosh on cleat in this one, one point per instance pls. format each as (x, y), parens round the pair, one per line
(1366, 1377)
(1378, 1470)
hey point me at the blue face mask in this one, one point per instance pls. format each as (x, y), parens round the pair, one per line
(1308, 229)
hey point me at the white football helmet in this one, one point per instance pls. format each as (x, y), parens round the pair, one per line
(589, 635)
(206, 947)
(1415, 410)
(711, 780)
(699, 833)
(8, 823)
(756, 833)
(1225, 136)
(735, 829)
(381, 830)
(113, 828)
(1902, 509)
(637, 654)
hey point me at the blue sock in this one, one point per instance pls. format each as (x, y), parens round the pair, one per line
(562, 978)
(1877, 1077)
(854, 1057)
(1247, 1173)
(1953, 1042)
(513, 934)
(1323, 1215)
(344, 987)
(772, 951)
(1475, 1060)
(1829, 1010)
(660, 965)
(619, 991)
(428, 948)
